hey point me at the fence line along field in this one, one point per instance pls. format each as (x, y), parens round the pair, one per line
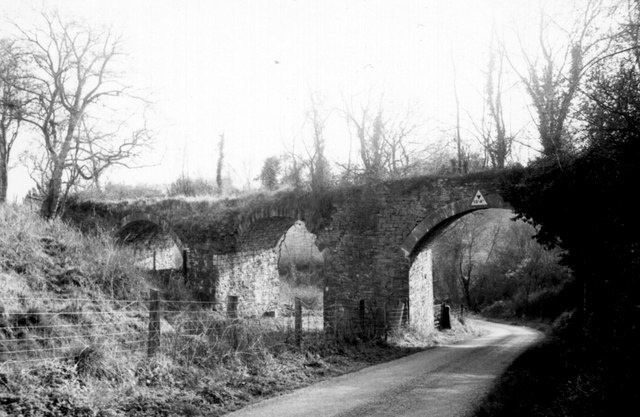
(189, 331)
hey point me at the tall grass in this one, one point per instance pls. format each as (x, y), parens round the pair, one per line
(49, 255)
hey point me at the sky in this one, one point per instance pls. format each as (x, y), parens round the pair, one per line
(248, 69)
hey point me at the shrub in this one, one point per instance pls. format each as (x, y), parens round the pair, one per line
(310, 295)
(188, 187)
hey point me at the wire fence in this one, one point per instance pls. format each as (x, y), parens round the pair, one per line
(188, 331)
(37, 329)
(47, 328)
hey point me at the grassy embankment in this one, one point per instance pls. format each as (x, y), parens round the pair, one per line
(74, 306)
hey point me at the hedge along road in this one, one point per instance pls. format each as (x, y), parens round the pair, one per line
(443, 381)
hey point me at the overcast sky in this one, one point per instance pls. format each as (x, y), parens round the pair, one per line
(247, 69)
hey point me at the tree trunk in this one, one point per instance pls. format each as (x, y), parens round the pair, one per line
(467, 292)
(220, 163)
(3, 178)
(49, 208)
(51, 203)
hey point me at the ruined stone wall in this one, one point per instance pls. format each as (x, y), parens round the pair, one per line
(250, 276)
(421, 291)
(165, 258)
(162, 248)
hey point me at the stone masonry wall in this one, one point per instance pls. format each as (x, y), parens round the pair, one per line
(421, 291)
(367, 257)
(250, 276)
(366, 234)
(166, 258)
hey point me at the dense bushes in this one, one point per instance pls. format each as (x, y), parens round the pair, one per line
(582, 203)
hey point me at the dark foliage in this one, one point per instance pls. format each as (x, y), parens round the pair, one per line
(560, 377)
(584, 203)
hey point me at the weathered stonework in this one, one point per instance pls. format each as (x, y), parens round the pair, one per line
(160, 258)
(421, 291)
(250, 276)
(372, 239)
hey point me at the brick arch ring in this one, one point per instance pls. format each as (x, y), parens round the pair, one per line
(164, 225)
(452, 210)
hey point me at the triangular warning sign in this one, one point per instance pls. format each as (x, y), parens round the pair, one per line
(479, 200)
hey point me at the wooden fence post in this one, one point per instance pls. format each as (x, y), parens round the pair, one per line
(335, 322)
(154, 260)
(185, 262)
(153, 343)
(384, 313)
(298, 322)
(361, 309)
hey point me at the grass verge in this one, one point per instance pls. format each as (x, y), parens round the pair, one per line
(98, 381)
(565, 375)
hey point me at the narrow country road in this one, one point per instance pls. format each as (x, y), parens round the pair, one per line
(443, 381)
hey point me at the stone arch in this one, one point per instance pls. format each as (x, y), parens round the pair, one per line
(247, 221)
(445, 215)
(249, 276)
(264, 233)
(416, 248)
(164, 226)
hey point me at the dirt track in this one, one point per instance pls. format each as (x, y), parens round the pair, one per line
(443, 381)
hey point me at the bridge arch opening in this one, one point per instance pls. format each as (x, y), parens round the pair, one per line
(155, 245)
(276, 260)
(301, 267)
(418, 248)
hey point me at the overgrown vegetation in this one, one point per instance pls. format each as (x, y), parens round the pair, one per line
(41, 256)
(208, 364)
(119, 192)
(580, 202)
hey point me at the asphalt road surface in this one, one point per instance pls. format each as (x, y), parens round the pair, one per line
(443, 381)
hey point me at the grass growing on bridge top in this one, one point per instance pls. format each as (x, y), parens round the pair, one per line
(229, 209)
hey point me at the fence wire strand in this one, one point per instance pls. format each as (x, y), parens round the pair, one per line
(193, 330)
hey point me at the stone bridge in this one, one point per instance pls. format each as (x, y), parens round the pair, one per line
(376, 240)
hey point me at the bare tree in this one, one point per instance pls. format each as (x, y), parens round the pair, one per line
(72, 74)
(316, 160)
(385, 147)
(496, 142)
(461, 164)
(95, 151)
(465, 247)
(553, 77)
(12, 107)
(220, 163)
(631, 30)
